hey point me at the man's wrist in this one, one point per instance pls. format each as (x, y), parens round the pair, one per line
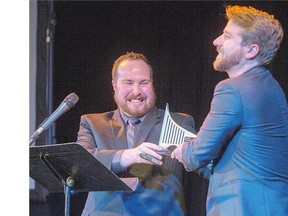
(116, 162)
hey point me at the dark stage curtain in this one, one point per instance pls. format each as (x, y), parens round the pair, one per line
(176, 36)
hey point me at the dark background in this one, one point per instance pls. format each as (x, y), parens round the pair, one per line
(176, 36)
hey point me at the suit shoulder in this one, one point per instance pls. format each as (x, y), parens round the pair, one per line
(104, 115)
(229, 83)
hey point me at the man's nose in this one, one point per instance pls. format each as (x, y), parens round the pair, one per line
(217, 41)
(136, 88)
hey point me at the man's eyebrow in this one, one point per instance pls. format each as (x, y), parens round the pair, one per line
(227, 32)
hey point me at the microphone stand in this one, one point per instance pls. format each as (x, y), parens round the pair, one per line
(36, 133)
(34, 137)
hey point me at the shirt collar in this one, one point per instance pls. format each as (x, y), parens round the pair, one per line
(125, 117)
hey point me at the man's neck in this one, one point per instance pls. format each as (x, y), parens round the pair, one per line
(126, 116)
(238, 70)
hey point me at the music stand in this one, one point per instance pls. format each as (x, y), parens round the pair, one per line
(72, 168)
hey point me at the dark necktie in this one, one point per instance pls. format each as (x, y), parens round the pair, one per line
(132, 122)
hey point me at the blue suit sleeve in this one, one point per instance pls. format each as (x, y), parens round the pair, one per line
(223, 119)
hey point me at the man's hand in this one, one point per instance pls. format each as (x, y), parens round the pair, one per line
(177, 153)
(147, 150)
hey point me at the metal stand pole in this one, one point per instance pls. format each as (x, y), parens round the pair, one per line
(68, 189)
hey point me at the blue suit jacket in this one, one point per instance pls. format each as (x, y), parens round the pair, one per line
(246, 134)
(160, 189)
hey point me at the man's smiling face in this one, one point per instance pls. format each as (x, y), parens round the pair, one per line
(133, 88)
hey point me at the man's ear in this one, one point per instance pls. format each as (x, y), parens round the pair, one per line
(252, 52)
(113, 84)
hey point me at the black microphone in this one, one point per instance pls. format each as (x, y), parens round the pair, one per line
(66, 105)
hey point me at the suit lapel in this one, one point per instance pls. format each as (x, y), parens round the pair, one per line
(152, 118)
(118, 128)
(118, 131)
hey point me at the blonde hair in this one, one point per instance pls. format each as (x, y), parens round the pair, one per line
(260, 28)
(130, 56)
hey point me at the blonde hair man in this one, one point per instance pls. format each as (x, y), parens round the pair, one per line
(245, 134)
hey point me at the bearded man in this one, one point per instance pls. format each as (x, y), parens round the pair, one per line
(245, 134)
(108, 138)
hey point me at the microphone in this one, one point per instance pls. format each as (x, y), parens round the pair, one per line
(66, 105)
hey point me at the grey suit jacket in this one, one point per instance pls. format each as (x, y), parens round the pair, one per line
(246, 133)
(159, 191)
